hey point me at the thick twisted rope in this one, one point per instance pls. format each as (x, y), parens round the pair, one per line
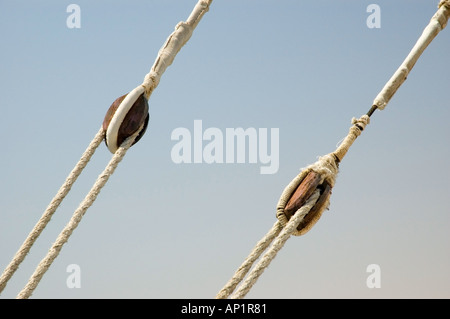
(51, 208)
(63, 237)
(240, 273)
(277, 244)
(278, 234)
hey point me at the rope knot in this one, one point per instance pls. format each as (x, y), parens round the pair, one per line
(361, 123)
(355, 130)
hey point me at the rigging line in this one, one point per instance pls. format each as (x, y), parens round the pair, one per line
(63, 237)
(51, 208)
(240, 273)
(437, 23)
(176, 40)
(276, 246)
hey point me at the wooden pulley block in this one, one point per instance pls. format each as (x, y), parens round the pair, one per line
(305, 189)
(124, 118)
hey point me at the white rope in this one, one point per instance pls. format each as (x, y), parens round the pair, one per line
(355, 130)
(51, 208)
(260, 247)
(173, 44)
(437, 23)
(63, 237)
(277, 244)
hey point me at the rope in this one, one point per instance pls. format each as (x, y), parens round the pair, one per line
(63, 237)
(318, 178)
(437, 23)
(278, 235)
(278, 243)
(54, 204)
(165, 57)
(260, 247)
(358, 126)
(173, 44)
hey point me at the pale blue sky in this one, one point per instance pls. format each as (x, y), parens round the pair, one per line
(165, 230)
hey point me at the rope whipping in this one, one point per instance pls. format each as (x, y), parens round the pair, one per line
(116, 126)
(305, 198)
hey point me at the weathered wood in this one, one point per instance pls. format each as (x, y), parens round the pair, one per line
(318, 207)
(302, 193)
